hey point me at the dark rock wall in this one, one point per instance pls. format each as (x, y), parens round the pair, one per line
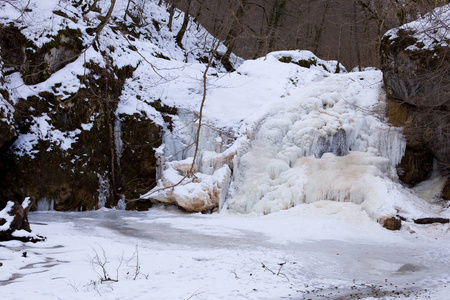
(417, 81)
(71, 177)
(137, 168)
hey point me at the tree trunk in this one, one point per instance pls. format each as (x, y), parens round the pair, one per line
(184, 26)
(235, 31)
(338, 67)
(171, 13)
(278, 12)
(319, 28)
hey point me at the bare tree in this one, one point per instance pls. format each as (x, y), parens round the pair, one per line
(350, 29)
(182, 31)
(235, 31)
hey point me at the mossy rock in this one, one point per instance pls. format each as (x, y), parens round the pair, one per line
(54, 174)
(304, 63)
(70, 178)
(166, 111)
(12, 48)
(41, 63)
(140, 136)
(285, 59)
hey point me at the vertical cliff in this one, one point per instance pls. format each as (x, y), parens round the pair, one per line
(80, 99)
(416, 72)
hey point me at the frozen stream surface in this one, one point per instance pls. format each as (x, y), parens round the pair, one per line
(327, 250)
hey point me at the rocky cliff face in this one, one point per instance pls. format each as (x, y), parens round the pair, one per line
(71, 134)
(416, 68)
(69, 137)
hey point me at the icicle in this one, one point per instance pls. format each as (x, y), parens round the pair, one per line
(218, 146)
(45, 204)
(121, 205)
(118, 143)
(390, 143)
(160, 161)
(103, 189)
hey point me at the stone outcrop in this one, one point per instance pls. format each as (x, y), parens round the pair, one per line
(37, 64)
(76, 176)
(137, 168)
(416, 70)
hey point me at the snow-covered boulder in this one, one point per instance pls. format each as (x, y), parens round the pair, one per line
(14, 222)
(193, 191)
(307, 59)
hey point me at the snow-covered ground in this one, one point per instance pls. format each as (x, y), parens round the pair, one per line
(327, 250)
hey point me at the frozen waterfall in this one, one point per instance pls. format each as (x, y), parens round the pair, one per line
(277, 135)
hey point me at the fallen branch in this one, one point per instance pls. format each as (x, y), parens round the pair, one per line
(424, 221)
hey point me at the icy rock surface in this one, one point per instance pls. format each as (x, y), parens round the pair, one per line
(199, 191)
